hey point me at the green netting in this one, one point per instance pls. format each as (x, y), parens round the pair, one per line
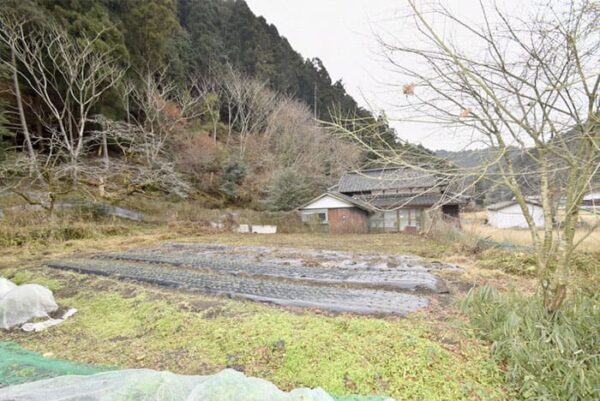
(359, 398)
(18, 366)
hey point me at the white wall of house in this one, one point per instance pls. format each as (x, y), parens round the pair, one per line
(327, 202)
(318, 209)
(512, 217)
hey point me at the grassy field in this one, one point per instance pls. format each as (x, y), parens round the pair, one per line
(428, 356)
(473, 223)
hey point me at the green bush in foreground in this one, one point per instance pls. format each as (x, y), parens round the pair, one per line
(547, 357)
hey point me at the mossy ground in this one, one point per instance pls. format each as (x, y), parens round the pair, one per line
(426, 356)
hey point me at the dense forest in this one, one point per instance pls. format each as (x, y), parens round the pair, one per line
(189, 98)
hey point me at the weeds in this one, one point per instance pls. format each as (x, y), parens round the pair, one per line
(38, 229)
(129, 325)
(550, 357)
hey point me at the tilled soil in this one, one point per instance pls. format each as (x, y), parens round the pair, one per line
(328, 280)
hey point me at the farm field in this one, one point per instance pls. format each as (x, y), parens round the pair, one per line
(124, 324)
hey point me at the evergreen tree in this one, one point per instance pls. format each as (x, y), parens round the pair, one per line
(290, 190)
(87, 19)
(149, 27)
(234, 175)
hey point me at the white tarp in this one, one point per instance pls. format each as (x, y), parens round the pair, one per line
(5, 286)
(40, 326)
(150, 385)
(20, 304)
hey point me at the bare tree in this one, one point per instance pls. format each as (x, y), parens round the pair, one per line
(156, 110)
(512, 82)
(249, 103)
(11, 42)
(297, 141)
(162, 109)
(67, 77)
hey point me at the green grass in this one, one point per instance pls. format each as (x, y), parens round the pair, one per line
(132, 326)
(550, 357)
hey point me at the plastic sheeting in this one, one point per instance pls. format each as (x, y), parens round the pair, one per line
(22, 303)
(5, 286)
(149, 385)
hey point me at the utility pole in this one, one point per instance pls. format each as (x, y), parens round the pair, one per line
(315, 101)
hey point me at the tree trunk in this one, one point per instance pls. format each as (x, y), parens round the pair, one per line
(215, 123)
(105, 151)
(26, 134)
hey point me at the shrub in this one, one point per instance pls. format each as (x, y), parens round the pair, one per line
(553, 357)
(290, 190)
(447, 232)
(520, 263)
(234, 175)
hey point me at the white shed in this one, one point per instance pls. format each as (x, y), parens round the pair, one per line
(591, 201)
(509, 215)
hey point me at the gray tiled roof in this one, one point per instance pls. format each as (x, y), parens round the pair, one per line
(390, 202)
(384, 179)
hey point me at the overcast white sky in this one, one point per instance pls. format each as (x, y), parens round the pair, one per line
(341, 33)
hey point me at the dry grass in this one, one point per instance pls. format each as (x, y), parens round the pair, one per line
(474, 223)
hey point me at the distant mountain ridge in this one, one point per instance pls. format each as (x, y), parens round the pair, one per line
(489, 190)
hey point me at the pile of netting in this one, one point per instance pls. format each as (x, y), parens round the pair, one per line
(29, 376)
(18, 365)
(150, 385)
(20, 304)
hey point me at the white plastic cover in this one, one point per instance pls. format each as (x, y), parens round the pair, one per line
(150, 385)
(5, 286)
(23, 303)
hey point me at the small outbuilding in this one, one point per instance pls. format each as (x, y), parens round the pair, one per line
(591, 201)
(508, 214)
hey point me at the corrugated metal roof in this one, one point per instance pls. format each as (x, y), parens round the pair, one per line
(385, 179)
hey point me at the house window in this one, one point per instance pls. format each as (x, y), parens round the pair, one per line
(410, 218)
(376, 221)
(315, 216)
(390, 220)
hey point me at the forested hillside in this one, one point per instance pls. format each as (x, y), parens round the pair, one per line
(198, 98)
(490, 188)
